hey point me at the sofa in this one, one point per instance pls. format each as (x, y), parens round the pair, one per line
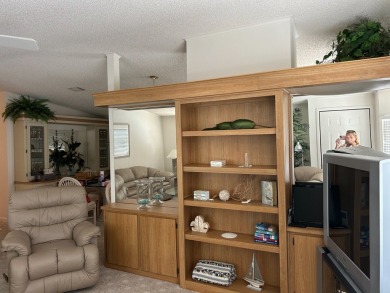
(308, 174)
(51, 247)
(126, 179)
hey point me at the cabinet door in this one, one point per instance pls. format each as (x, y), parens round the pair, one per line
(36, 135)
(104, 151)
(158, 248)
(121, 239)
(302, 251)
(30, 149)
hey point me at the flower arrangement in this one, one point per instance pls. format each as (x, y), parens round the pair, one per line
(66, 155)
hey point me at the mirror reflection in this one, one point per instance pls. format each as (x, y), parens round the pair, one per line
(329, 116)
(152, 148)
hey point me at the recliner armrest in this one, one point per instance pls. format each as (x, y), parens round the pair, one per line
(17, 241)
(84, 232)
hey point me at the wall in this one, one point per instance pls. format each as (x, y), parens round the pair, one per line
(169, 138)
(259, 48)
(382, 104)
(146, 139)
(6, 157)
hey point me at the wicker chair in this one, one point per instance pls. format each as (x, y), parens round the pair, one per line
(70, 181)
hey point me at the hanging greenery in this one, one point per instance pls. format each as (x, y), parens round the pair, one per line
(300, 133)
(363, 39)
(33, 108)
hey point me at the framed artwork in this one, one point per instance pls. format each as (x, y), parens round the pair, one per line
(121, 140)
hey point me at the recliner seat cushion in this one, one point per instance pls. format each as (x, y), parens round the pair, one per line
(55, 257)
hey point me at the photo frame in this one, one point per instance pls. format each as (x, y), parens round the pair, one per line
(121, 140)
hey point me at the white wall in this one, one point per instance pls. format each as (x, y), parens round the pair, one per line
(146, 139)
(382, 104)
(259, 48)
(169, 137)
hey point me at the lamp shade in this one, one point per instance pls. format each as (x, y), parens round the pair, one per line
(298, 147)
(172, 154)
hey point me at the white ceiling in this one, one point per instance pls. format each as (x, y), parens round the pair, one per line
(74, 37)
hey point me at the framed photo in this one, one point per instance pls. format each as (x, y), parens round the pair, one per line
(121, 140)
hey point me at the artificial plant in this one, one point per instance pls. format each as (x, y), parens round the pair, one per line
(364, 39)
(300, 134)
(33, 108)
(66, 155)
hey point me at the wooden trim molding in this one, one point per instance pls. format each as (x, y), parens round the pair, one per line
(324, 74)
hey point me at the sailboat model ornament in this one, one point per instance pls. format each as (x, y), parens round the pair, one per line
(253, 276)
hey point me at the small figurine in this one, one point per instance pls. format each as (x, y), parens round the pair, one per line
(199, 225)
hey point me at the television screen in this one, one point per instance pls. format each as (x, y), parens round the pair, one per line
(360, 243)
(352, 185)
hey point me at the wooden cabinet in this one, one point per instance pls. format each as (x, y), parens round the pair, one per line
(157, 238)
(98, 148)
(302, 258)
(121, 239)
(142, 242)
(31, 154)
(267, 148)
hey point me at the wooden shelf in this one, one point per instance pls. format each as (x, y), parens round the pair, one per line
(241, 241)
(231, 169)
(254, 206)
(239, 285)
(235, 132)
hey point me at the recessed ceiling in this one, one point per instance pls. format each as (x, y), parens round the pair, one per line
(75, 36)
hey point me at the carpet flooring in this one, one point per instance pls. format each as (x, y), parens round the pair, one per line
(110, 281)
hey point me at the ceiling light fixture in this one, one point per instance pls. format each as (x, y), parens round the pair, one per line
(153, 78)
(76, 89)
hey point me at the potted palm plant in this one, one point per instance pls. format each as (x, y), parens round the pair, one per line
(33, 108)
(364, 39)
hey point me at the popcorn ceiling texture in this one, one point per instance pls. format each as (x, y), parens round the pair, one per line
(75, 36)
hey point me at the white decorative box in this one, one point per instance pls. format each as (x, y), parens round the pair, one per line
(269, 193)
(217, 163)
(201, 195)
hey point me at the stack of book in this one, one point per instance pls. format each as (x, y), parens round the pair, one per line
(266, 233)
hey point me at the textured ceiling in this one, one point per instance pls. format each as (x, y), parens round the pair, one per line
(74, 37)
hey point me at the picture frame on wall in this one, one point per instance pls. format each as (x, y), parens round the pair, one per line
(121, 140)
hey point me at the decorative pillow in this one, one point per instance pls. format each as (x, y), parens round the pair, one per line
(214, 272)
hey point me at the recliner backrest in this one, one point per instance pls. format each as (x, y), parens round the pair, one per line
(48, 213)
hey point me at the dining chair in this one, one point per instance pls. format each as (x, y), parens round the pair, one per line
(70, 181)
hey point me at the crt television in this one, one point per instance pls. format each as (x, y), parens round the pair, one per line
(361, 245)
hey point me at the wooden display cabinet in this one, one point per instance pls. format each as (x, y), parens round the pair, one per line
(266, 147)
(98, 148)
(31, 149)
(142, 242)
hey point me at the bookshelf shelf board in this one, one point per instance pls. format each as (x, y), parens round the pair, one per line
(253, 206)
(235, 132)
(231, 169)
(241, 241)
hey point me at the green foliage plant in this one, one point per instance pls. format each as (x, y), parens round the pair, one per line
(363, 39)
(66, 155)
(35, 109)
(300, 134)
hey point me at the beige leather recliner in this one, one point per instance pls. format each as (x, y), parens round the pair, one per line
(50, 247)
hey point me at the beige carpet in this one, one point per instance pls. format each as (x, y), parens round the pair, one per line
(110, 280)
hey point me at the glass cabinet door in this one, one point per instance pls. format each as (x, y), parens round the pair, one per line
(103, 148)
(37, 149)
